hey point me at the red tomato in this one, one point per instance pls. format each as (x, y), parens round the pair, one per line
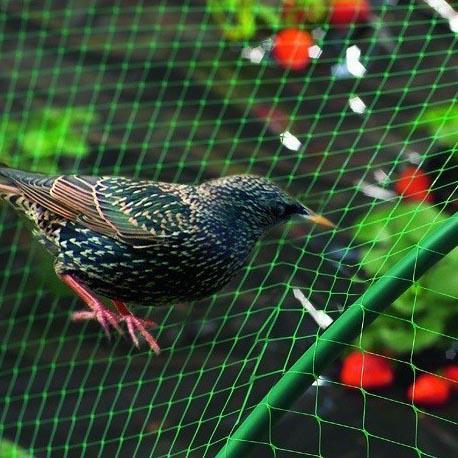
(414, 184)
(451, 373)
(429, 390)
(368, 371)
(291, 48)
(345, 12)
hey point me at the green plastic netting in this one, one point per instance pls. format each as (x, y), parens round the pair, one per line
(183, 91)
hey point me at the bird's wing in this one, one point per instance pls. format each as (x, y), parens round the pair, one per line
(139, 213)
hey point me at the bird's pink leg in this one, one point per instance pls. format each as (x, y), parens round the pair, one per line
(106, 317)
(97, 310)
(137, 324)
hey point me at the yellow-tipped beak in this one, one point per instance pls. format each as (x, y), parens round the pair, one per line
(321, 220)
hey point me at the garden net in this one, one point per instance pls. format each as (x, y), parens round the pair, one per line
(362, 128)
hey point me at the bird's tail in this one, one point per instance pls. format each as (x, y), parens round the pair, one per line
(7, 184)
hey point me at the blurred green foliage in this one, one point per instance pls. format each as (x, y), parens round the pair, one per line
(11, 450)
(428, 309)
(305, 11)
(236, 18)
(48, 133)
(240, 19)
(441, 122)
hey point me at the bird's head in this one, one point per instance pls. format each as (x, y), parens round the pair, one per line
(258, 201)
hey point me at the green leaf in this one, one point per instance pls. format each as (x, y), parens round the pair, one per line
(373, 227)
(404, 304)
(80, 116)
(395, 229)
(370, 339)
(54, 131)
(236, 18)
(315, 10)
(8, 138)
(399, 334)
(269, 15)
(415, 220)
(74, 146)
(428, 325)
(38, 143)
(395, 334)
(441, 122)
(443, 278)
(403, 336)
(374, 260)
(11, 450)
(412, 300)
(405, 223)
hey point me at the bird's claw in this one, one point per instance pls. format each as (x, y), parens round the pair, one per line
(136, 324)
(106, 317)
(103, 316)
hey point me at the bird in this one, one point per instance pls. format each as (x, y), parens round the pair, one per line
(143, 242)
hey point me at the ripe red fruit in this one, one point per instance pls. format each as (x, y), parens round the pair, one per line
(451, 373)
(429, 390)
(291, 48)
(345, 12)
(368, 371)
(414, 184)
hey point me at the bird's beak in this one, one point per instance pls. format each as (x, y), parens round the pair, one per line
(309, 215)
(321, 220)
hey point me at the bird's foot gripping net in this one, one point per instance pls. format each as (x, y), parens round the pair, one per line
(107, 318)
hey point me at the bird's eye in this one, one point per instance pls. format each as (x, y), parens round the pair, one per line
(280, 210)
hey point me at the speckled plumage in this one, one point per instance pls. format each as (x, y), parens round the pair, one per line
(148, 242)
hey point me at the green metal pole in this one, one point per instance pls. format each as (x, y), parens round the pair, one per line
(343, 331)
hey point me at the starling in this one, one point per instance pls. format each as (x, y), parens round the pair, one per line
(146, 242)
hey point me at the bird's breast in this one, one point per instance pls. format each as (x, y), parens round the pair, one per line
(176, 270)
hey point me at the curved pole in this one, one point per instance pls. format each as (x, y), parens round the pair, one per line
(344, 330)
